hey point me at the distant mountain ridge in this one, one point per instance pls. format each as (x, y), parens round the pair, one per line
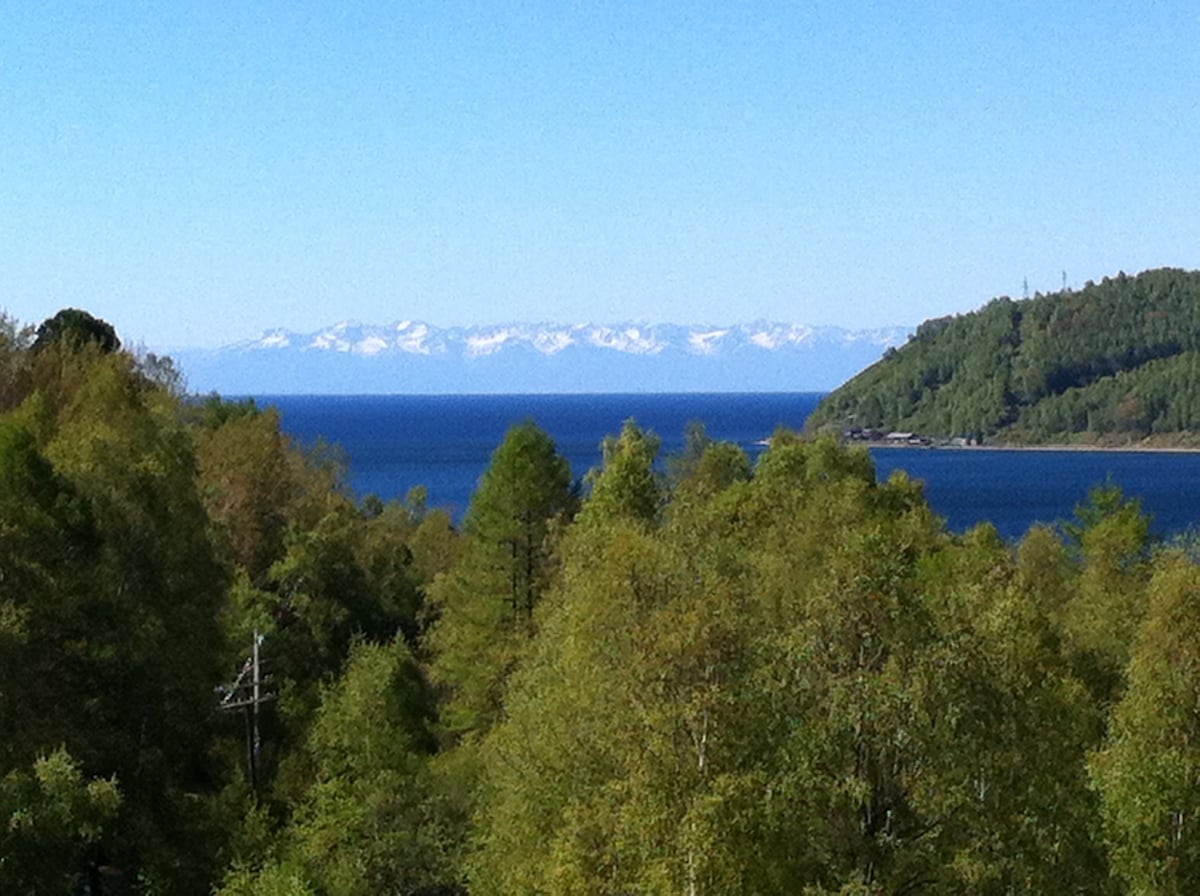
(418, 357)
(1114, 363)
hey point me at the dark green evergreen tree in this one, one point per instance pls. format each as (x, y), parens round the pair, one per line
(76, 328)
(485, 603)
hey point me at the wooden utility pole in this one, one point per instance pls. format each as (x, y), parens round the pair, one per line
(247, 694)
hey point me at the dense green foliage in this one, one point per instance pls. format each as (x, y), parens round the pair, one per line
(485, 603)
(76, 327)
(1114, 361)
(782, 677)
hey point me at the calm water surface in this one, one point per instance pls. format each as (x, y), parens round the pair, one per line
(444, 442)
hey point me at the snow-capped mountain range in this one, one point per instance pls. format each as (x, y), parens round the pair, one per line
(417, 357)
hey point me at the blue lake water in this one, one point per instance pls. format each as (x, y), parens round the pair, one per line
(444, 442)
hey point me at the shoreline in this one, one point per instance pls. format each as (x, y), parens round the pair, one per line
(1065, 447)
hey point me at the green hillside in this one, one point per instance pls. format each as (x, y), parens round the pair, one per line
(1115, 362)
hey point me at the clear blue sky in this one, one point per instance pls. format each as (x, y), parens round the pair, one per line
(198, 172)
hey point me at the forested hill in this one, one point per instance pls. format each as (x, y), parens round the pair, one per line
(1114, 362)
